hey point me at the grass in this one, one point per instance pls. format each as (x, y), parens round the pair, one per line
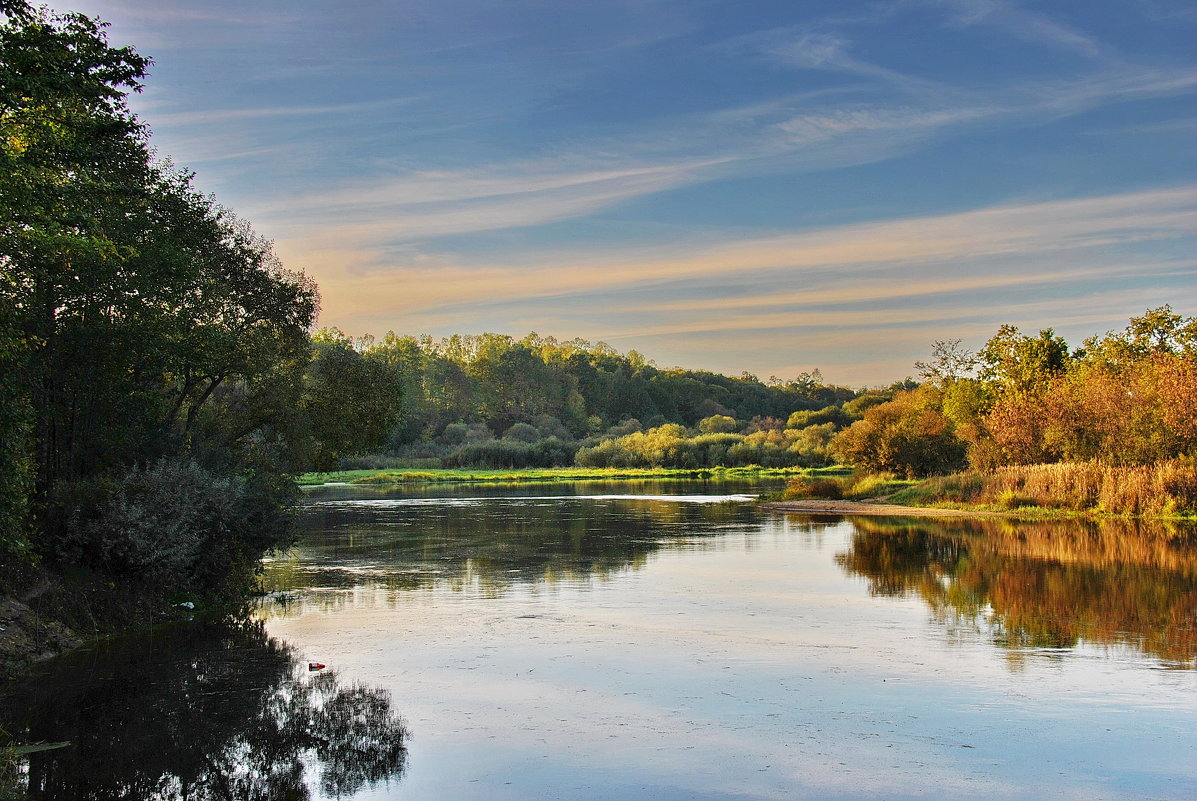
(1166, 490)
(10, 787)
(535, 474)
(1163, 490)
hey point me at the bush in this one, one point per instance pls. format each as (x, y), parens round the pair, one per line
(553, 452)
(550, 426)
(608, 453)
(907, 435)
(813, 443)
(454, 434)
(498, 453)
(522, 432)
(717, 424)
(808, 487)
(828, 414)
(173, 527)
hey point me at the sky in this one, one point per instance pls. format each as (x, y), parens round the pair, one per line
(770, 187)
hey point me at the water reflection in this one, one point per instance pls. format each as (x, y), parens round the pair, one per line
(1042, 585)
(479, 538)
(209, 711)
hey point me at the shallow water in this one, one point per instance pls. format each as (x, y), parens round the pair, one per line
(680, 644)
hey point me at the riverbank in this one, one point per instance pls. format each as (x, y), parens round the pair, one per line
(879, 507)
(515, 475)
(1162, 491)
(44, 614)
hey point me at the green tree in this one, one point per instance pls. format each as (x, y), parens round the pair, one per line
(1012, 361)
(73, 172)
(1157, 331)
(134, 304)
(15, 414)
(352, 401)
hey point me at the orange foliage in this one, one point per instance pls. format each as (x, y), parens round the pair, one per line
(1178, 396)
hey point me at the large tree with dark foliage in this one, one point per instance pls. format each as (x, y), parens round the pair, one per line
(150, 340)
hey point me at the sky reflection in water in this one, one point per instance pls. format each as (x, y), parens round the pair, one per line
(603, 647)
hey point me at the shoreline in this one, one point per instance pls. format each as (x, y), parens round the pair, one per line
(487, 475)
(828, 507)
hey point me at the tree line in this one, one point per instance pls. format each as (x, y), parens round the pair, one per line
(1128, 397)
(494, 400)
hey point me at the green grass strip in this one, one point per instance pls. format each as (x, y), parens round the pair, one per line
(483, 475)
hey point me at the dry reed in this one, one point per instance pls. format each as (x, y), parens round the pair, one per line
(1165, 489)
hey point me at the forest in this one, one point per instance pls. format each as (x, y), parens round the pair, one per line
(162, 380)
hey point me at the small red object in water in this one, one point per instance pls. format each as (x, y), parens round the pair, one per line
(315, 666)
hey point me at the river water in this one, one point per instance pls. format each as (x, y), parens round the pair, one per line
(650, 641)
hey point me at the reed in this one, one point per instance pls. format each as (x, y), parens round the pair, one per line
(1164, 489)
(10, 773)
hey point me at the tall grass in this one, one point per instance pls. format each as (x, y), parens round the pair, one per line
(10, 771)
(1165, 489)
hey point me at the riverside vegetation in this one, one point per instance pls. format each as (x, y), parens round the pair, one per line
(1109, 427)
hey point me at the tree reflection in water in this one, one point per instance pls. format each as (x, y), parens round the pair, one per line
(204, 712)
(383, 540)
(1042, 584)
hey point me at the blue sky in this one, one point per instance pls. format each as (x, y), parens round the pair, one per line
(762, 186)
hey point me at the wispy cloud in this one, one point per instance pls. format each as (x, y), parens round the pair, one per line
(1021, 24)
(222, 117)
(421, 205)
(426, 206)
(865, 321)
(1031, 231)
(837, 289)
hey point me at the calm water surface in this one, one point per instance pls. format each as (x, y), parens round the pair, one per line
(577, 643)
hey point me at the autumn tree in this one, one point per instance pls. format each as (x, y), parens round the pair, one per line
(908, 435)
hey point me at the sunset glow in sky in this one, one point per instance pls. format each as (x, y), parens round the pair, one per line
(763, 186)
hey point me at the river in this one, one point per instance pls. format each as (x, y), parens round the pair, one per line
(649, 641)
